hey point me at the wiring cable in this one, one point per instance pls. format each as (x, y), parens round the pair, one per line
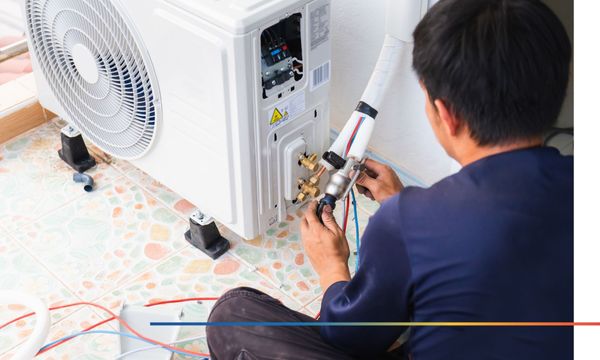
(113, 317)
(346, 212)
(108, 332)
(357, 227)
(78, 304)
(347, 206)
(126, 325)
(154, 347)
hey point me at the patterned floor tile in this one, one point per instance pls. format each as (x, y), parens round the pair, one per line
(366, 204)
(20, 271)
(100, 241)
(88, 347)
(190, 273)
(279, 255)
(168, 197)
(33, 179)
(314, 307)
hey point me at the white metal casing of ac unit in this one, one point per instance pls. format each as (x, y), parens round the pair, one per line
(214, 143)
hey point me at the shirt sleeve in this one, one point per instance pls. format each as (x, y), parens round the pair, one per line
(379, 292)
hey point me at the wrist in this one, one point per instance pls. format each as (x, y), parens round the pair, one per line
(333, 275)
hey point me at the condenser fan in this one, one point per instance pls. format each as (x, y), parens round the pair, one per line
(92, 61)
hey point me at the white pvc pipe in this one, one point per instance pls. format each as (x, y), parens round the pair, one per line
(37, 338)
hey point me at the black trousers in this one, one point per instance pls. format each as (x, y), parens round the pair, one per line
(257, 343)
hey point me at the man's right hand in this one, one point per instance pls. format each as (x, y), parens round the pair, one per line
(379, 182)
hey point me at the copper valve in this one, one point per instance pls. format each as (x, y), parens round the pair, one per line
(310, 162)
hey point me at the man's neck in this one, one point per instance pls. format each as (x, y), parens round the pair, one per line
(471, 151)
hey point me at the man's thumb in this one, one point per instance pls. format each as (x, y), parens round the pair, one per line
(328, 219)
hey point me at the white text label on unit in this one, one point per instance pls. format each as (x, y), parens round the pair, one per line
(319, 26)
(287, 110)
(320, 76)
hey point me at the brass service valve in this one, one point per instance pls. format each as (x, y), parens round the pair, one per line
(310, 162)
(308, 188)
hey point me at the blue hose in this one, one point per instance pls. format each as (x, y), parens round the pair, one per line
(357, 228)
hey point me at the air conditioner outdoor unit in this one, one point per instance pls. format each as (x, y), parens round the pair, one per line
(217, 99)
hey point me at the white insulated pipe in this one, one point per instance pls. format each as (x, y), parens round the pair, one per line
(27, 350)
(386, 67)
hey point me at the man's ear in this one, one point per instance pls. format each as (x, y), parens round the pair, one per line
(450, 122)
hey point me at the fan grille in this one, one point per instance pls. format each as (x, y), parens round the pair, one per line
(108, 92)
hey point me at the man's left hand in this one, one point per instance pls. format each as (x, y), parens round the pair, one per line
(326, 246)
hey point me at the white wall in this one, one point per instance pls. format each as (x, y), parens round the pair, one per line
(11, 19)
(402, 133)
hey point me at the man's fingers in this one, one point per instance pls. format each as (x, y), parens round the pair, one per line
(361, 189)
(311, 214)
(367, 182)
(303, 225)
(375, 166)
(364, 191)
(329, 220)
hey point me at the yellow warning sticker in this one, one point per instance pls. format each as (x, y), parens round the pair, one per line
(276, 116)
(287, 110)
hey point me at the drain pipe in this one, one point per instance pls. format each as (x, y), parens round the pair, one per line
(86, 180)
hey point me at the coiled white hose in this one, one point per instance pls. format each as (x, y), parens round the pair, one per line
(36, 340)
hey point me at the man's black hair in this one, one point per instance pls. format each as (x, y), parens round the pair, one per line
(502, 66)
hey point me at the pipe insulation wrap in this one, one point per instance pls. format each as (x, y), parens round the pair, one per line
(386, 67)
(361, 141)
(340, 143)
(36, 340)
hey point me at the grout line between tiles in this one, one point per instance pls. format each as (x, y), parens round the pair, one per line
(40, 263)
(61, 206)
(72, 292)
(132, 278)
(252, 267)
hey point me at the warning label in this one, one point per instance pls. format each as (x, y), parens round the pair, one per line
(277, 116)
(287, 110)
(319, 26)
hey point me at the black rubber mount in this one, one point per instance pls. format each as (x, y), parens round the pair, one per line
(326, 200)
(75, 153)
(207, 239)
(367, 109)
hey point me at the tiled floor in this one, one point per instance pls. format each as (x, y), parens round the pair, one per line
(123, 243)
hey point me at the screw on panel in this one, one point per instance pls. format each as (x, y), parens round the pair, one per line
(205, 236)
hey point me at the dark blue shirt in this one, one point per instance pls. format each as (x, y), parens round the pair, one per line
(492, 243)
